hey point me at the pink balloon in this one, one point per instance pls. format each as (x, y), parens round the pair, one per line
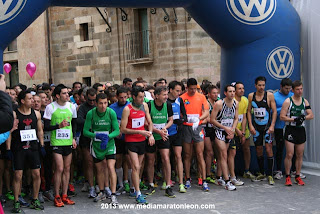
(7, 68)
(31, 69)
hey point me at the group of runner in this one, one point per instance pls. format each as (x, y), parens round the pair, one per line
(125, 143)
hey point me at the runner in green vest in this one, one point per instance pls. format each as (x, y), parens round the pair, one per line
(162, 118)
(102, 126)
(60, 118)
(295, 110)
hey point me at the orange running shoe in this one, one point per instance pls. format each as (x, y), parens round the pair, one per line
(71, 187)
(67, 200)
(299, 181)
(58, 202)
(288, 181)
(200, 182)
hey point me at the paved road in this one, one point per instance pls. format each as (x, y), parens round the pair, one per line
(258, 197)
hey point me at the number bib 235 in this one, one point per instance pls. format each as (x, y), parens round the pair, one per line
(63, 134)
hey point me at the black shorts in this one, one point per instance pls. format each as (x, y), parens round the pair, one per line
(261, 133)
(108, 157)
(296, 135)
(3, 151)
(120, 146)
(26, 156)
(62, 150)
(222, 135)
(209, 131)
(160, 144)
(176, 140)
(84, 142)
(137, 147)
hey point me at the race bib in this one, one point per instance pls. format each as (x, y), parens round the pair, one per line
(259, 112)
(159, 126)
(240, 118)
(46, 137)
(63, 134)
(138, 122)
(176, 116)
(191, 116)
(227, 122)
(105, 132)
(28, 135)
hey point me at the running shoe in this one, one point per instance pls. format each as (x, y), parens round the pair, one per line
(66, 200)
(141, 200)
(36, 205)
(299, 181)
(278, 175)
(108, 193)
(188, 184)
(143, 186)
(58, 202)
(221, 182)
(120, 191)
(151, 190)
(114, 200)
(164, 186)
(230, 186)
(270, 180)
(48, 195)
(85, 187)
(16, 207)
(92, 193)
(40, 197)
(249, 175)
(200, 181)
(100, 197)
(293, 175)
(22, 202)
(261, 177)
(182, 189)
(236, 182)
(170, 193)
(210, 180)
(205, 187)
(10, 196)
(288, 181)
(127, 187)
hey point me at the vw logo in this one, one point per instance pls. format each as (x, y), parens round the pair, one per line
(280, 63)
(255, 12)
(9, 9)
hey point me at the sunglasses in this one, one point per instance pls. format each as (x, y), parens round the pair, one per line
(91, 100)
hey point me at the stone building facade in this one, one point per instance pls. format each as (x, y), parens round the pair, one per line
(147, 43)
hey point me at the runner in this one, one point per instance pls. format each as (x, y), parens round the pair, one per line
(261, 125)
(212, 91)
(25, 148)
(162, 118)
(84, 142)
(121, 163)
(279, 97)
(60, 118)
(197, 109)
(242, 131)
(102, 126)
(225, 119)
(133, 120)
(175, 131)
(294, 112)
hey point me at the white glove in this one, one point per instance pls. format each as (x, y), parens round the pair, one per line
(195, 122)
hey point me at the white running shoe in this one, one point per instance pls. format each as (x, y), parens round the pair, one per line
(230, 186)
(237, 182)
(92, 193)
(278, 175)
(221, 182)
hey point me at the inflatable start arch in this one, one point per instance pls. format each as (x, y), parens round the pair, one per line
(257, 37)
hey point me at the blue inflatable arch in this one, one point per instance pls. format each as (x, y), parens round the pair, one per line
(257, 37)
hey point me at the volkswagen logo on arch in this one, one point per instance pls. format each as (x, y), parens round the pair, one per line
(9, 9)
(252, 12)
(280, 63)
